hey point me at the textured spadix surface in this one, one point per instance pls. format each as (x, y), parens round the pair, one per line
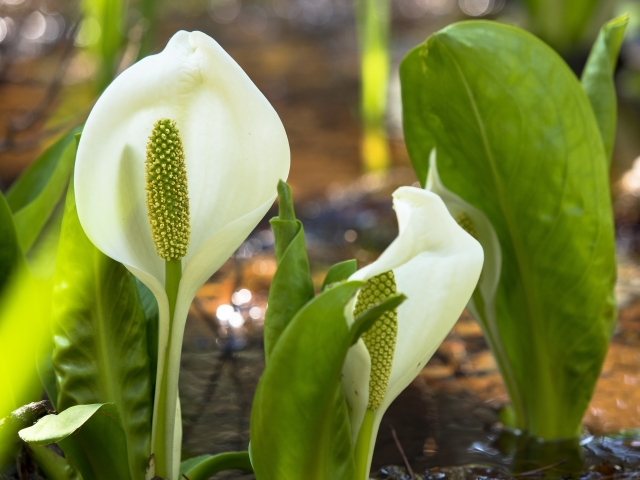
(235, 150)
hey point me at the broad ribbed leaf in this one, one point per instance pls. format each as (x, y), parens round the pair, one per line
(100, 345)
(299, 422)
(292, 286)
(91, 437)
(597, 78)
(517, 138)
(34, 196)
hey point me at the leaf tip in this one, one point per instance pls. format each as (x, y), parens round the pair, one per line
(285, 202)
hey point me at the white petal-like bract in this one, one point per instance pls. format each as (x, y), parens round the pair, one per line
(436, 265)
(235, 149)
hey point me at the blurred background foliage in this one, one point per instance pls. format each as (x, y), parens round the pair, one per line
(62, 53)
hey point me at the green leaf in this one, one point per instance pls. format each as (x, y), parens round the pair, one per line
(561, 23)
(10, 425)
(366, 320)
(149, 11)
(91, 436)
(25, 305)
(152, 314)
(292, 286)
(517, 138)
(10, 252)
(339, 272)
(54, 466)
(100, 350)
(34, 196)
(597, 79)
(47, 376)
(206, 466)
(299, 422)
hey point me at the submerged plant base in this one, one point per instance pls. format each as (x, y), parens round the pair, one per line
(602, 458)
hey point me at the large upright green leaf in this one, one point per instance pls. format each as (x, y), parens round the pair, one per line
(597, 78)
(34, 196)
(292, 286)
(100, 346)
(91, 436)
(517, 138)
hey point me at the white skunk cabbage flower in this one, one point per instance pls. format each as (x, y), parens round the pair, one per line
(436, 264)
(482, 304)
(179, 160)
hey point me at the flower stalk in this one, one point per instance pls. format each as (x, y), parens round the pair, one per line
(168, 210)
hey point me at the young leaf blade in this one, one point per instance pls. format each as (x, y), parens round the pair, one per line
(299, 422)
(91, 437)
(597, 79)
(100, 350)
(291, 286)
(34, 196)
(516, 137)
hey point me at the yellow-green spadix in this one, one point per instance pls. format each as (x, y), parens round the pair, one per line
(234, 150)
(436, 264)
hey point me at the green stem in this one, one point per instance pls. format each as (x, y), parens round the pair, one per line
(219, 463)
(361, 451)
(161, 442)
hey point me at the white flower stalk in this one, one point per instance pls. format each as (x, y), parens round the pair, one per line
(178, 161)
(436, 264)
(482, 304)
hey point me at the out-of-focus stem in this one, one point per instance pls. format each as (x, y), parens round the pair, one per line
(373, 21)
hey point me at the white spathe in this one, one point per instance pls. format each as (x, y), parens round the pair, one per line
(483, 304)
(236, 150)
(436, 265)
(484, 232)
